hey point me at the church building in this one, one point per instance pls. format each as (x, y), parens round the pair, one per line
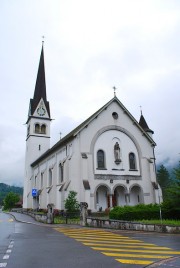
(108, 159)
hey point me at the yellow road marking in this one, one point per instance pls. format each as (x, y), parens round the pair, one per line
(134, 261)
(137, 250)
(95, 235)
(116, 245)
(9, 220)
(90, 232)
(136, 255)
(131, 242)
(84, 231)
(124, 246)
(104, 239)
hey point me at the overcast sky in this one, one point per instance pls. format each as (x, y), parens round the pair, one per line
(90, 46)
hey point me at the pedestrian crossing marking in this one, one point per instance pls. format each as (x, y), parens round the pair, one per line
(102, 238)
(114, 242)
(135, 255)
(9, 220)
(138, 250)
(124, 246)
(125, 249)
(134, 262)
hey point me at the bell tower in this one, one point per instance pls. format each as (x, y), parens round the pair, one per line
(38, 130)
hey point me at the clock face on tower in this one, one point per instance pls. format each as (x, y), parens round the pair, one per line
(41, 111)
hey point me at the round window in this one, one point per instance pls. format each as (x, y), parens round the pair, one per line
(115, 115)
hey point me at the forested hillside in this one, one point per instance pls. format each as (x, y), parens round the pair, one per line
(5, 189)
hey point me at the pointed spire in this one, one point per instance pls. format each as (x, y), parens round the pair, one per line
(40, 87)
(144, 125)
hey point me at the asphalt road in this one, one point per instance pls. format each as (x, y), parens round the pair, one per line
(25, 245)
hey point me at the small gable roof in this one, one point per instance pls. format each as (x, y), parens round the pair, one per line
(144, 125)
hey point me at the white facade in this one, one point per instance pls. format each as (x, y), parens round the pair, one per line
(72, 164)
(108, 160)
(37, 143)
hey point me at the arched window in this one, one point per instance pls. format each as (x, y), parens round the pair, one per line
(43, 129)
(50, 177)
(61, 173)
(132, 161)
(100, 159)
(42, 178)
(37, 128)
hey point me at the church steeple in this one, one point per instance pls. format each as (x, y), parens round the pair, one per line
(38, 132)
(40, 88)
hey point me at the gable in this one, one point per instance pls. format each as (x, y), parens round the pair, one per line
(120, 112)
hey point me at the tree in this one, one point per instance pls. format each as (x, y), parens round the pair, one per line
(174, 189)
(71, 203)
(164, 180)
(10, 200)
(5, 189)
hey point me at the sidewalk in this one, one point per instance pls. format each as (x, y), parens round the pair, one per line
(24, 218)
(173, 262)
(20, 217)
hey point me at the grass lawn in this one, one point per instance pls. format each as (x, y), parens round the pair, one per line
(62, 220)
(164, 222)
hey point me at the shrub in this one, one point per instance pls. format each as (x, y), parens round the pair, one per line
(10, 200)
(138, 212)
(71, 203)
(56, 212)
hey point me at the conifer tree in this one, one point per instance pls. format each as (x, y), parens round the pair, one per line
(164, 181)
(71, 203)
(174, 189)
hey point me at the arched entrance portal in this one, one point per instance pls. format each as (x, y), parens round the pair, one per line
(102, 194)
(120, 198)
(136, 195)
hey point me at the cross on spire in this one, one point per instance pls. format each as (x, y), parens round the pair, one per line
(43, 37)
(114, 91)
(140, 109)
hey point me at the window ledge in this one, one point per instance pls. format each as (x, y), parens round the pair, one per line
(48, 189)
(133, 169)
(117, 169)
(101, 168)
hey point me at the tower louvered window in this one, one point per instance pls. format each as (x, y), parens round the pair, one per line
(37, 128)
(43, 129)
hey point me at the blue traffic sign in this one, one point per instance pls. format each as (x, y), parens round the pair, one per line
(34, 192)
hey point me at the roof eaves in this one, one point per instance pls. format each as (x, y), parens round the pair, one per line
(91, 118)
(136, 122)
(54, 148)
(76, 130)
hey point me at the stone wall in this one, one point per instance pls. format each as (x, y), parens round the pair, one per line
(124, 225)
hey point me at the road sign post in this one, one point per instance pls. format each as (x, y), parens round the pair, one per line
(34, 192)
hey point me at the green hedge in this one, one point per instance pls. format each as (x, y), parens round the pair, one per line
(144, 212)
(138, 212)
